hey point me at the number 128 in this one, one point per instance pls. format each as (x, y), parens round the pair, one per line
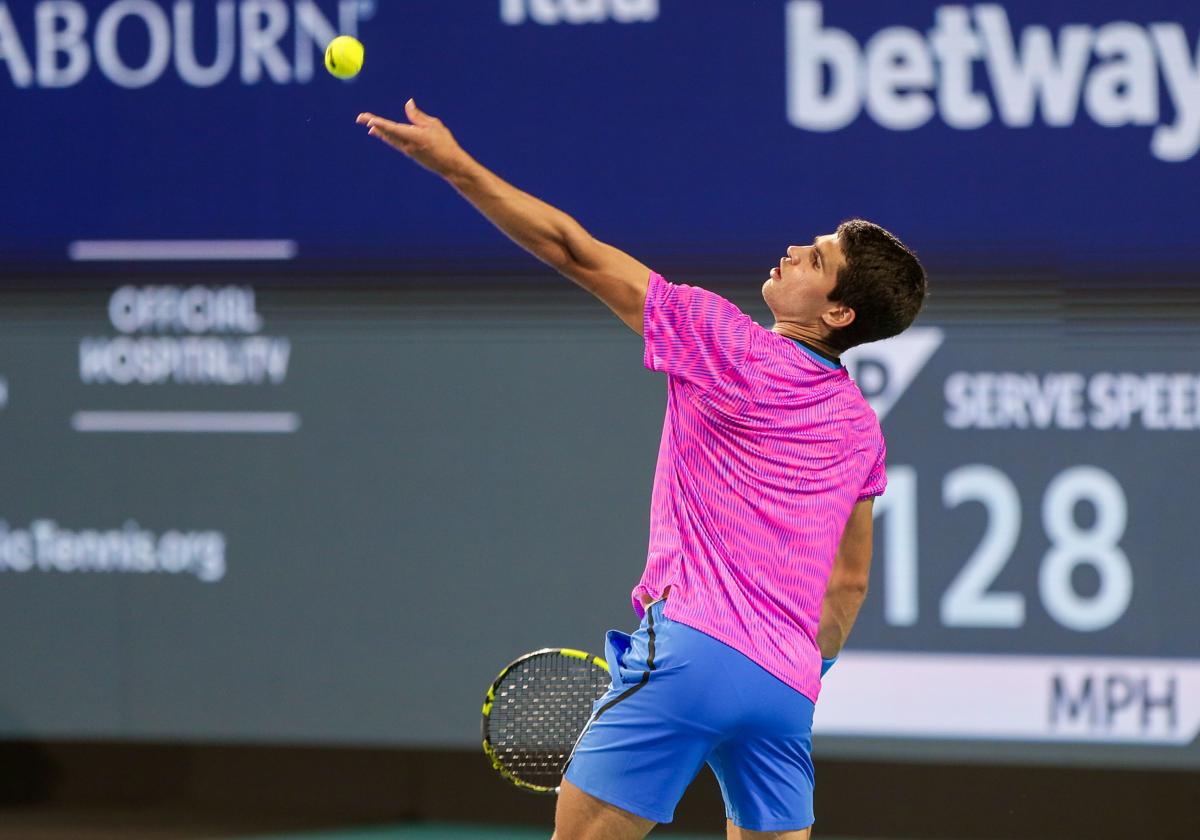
(968, 601)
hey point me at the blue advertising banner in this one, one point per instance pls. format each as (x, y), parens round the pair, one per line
(990, 136)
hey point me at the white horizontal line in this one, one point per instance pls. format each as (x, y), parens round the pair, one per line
(104, 250)
(251, 422)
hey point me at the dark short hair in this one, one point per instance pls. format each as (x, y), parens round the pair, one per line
(882, 281)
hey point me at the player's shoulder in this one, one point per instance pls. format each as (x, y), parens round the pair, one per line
(660, 286)
(859, 408)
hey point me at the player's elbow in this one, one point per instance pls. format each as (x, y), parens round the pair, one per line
(558, 256)
(575, 249)
(849, 586)
(856, 589)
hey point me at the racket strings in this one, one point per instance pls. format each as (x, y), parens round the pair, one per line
(541, 706)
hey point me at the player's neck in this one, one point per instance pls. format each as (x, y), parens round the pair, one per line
(811, 336)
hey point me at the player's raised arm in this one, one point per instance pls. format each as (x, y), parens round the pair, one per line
(847, 588)
(544, 231)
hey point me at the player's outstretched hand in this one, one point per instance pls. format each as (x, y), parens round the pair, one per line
(423, 138)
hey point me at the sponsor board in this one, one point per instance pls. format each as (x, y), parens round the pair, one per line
(552, 12)
(884, 370)
(46, 547)
(198, 335)
(251, 41)
(1118, 73)
(1025, 698)
(971, 130)
(1033, 572)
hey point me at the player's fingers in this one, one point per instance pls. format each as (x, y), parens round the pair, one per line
(394, 134)
(415, 115)
(371, 120)
(387, 127)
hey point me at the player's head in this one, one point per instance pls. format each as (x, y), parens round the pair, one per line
(856, 285)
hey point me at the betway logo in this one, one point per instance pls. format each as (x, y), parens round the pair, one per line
(257, 35)
(884, 369)
(905, 77)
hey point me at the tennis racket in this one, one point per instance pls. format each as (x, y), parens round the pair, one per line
(536, 710)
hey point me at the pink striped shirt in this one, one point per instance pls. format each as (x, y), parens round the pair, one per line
(765, 449)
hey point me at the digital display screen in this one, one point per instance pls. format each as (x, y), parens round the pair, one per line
(260, 515)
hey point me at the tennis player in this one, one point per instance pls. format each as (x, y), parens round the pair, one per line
(760, 521)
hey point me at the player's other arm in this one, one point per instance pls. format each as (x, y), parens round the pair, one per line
(847, 587)
(544, 231)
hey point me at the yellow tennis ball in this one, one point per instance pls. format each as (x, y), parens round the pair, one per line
(344, 57)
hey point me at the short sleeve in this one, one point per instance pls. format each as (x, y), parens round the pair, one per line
(692, 333)
(877, 479)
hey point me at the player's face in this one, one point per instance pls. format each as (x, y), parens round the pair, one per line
(797, 289)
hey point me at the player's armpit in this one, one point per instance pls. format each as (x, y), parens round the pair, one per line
(611, 275)
(847, 588)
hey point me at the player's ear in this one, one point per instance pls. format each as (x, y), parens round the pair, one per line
(838, 316)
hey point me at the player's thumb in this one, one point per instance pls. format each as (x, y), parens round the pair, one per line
(415, 115)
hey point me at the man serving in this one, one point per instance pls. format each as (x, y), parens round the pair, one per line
(760, 520)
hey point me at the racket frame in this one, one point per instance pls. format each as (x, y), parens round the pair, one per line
(490, 698)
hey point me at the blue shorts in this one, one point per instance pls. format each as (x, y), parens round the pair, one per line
(680, 699)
